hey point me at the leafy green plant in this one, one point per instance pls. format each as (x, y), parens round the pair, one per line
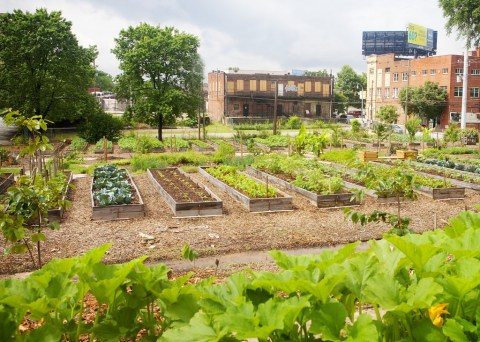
(249, 186)
(200, 143)
(293, 122)
(411, 125)
(78, 144)
(111, 186)
(100, 144)
(189, 253)
(452, 133)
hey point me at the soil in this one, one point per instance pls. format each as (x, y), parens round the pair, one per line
(181, 188)
(236, 231)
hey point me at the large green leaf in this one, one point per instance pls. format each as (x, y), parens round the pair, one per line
(364, 330)
(463, 221)
(328, 320)
(455, 331)
(198, 330)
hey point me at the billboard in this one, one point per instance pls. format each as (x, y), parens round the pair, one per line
(416, 41)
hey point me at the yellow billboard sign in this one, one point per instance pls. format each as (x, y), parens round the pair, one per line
(417, 35)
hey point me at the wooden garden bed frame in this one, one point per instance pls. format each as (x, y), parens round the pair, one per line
(188, 209)
(119, 211)
(320, 201)
(270, 204)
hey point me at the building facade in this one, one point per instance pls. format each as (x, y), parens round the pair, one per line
(252, 94)
(387, 75)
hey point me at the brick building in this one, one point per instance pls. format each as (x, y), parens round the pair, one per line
(252, 94)
(387, 75)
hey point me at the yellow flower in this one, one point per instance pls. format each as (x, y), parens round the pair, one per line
(435, 313)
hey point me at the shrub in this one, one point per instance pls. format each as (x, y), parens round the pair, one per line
(99, 125)
(293, 122)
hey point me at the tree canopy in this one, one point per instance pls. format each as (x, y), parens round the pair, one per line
(388, 114)
(161, 72)
(349, 83)
(43, 69)
(427, 101)
(463, 16)
(103, 81)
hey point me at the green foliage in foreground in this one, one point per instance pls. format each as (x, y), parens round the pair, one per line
(419, 288)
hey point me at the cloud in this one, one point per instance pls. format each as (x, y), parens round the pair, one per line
(253, 34)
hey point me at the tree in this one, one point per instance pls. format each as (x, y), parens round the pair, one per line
(349, 83)
(319, 73)
(43, 70)
(464, 17)
(427, 101)
(411, 125)
(388, 114)
(161, 72)
(103, 81)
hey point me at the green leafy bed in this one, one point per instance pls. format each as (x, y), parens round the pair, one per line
(249, 186)
(111, 186)
(410, 288)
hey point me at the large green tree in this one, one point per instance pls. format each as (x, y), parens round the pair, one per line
(349, 83)
(103, 81)
(427, 101)
(43, 69)
(161, 73)
(464, 17)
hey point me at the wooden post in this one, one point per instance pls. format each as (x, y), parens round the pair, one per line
(241, 144)
(435, 221)
(266, 183)
(105, 154)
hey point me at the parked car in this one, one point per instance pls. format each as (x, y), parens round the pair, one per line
(397, 129)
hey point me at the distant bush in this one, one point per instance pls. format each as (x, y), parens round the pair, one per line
(293, 122)
(101, 124)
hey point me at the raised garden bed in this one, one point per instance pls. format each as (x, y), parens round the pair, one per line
(6, 180)
(185, 196)
(119, 211)
(321, 201)
(56, 214)
(443, 193)
(281, 202)
(201, 146)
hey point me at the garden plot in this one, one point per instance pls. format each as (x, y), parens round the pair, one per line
(334, 198)
(254, 195)
(114, 195)
(201, 146)
(185, 196)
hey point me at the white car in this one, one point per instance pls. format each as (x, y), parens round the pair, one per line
(397, 129)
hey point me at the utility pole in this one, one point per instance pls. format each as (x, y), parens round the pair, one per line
(371, 105)
(406, 91)
(275, 109)
(463, 120)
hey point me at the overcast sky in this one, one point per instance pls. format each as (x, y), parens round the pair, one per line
(252, 34)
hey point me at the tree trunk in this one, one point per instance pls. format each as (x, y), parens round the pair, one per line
(160, 125)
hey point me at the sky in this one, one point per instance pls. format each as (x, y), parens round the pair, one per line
(274, 35)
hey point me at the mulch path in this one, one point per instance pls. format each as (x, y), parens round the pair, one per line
(236, 231)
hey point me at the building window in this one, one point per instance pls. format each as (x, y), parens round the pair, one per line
(318, 87)
(263, 85)
(474, 92)
(371, 70)
(253, 85)
(230, 87)
(458, 91)
(308, 87)
(433, 72)
(239, 85)
(445, 71)
(236, 106)
(475, 71)
(387, 69)
(404, 76)
(414, 73)
(424, 72)
(387, 93)
(395, 93)
(379, 92)
(459, 71)
(395, 77)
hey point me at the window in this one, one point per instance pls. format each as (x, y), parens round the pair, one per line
(404, 76)
(414, 73)
(236, 106)
(318, 87)
(424, 72)
(395, 77)
(371, 70)
(459, 71)
(387, 69)
(475, 71)
(230, 87)
(433, 72)
(239, 85)
(253, 85)
(379, 92)
(395, 93)
(458, 91)
(474, 92)
(444, 71)
(263, 85)
(308, 87)
(386, 93)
